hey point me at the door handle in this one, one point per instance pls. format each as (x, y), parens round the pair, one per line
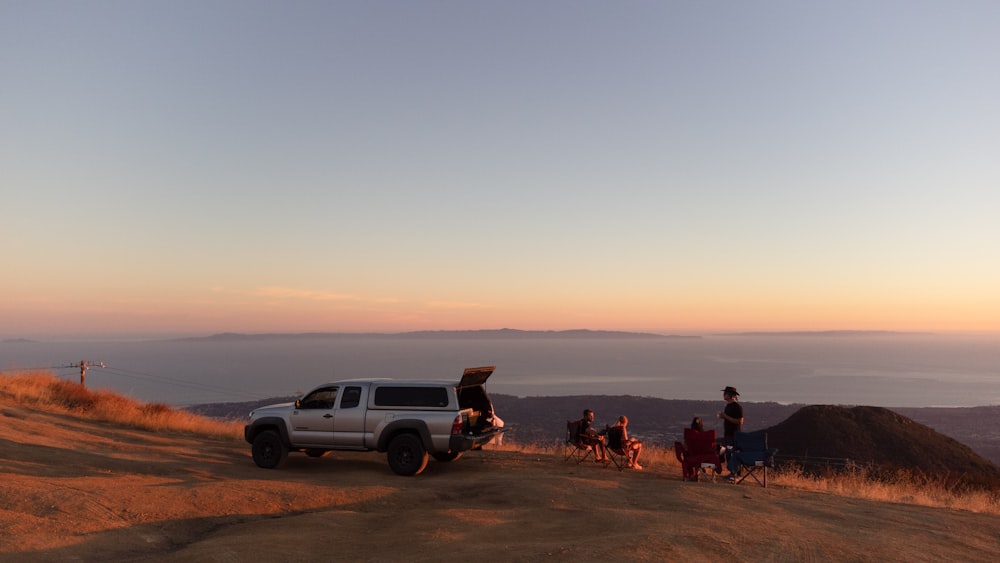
(327, 415)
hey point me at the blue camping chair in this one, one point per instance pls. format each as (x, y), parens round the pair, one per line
(752, 456)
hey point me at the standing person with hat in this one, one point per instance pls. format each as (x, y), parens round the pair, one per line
(732, 417)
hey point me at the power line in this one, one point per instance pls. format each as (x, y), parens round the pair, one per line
(111, 370)
(181, 383)
(83, 366)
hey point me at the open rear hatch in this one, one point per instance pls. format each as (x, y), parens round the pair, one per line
(475, 376)
(472, 395)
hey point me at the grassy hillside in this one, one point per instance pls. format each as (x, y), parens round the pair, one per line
(45, 391)
(159, 485)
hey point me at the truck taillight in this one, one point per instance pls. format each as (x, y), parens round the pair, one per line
(456, 427)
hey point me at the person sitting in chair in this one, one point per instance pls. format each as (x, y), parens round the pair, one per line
(631, 446)
(698, 450)
(697, 424)
(590, 436)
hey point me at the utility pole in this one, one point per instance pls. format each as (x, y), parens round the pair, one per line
(84, 365)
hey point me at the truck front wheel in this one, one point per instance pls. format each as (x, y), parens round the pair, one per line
(407, 455)
(268, 450)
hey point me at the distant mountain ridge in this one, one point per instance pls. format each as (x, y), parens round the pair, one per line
(503, 333)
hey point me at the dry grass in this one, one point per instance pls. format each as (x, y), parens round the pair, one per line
(900, 487)
(42, 389)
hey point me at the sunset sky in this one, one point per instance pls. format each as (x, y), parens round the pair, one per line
(682, 167)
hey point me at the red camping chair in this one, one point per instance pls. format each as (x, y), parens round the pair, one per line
(698, 450)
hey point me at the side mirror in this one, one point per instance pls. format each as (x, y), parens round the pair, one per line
(298, 403)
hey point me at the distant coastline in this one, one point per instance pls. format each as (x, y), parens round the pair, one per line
(475, 334)
(16, 341)
(503, 333)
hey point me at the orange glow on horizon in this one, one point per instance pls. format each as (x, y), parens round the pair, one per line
(284, 310)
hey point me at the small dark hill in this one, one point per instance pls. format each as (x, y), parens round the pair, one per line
(881, 437)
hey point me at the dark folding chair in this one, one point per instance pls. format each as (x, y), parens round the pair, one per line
(752, 456)
(577, 449)
(615, 448)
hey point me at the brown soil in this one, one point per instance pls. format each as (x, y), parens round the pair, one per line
(75, 490)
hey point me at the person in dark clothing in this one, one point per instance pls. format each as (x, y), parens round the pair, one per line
(589, 435)
(732, 415)
(732, 422)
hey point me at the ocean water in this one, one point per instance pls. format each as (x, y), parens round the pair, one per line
(891, 370)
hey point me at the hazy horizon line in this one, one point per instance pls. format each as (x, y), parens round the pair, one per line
(591, 332)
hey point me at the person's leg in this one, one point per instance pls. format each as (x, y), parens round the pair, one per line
(733, 465)
(595, 442)
(727, 456)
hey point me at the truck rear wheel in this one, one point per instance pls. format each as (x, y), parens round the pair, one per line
(407, 455)
(268, 450)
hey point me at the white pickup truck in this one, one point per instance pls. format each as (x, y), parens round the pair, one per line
(409, 420)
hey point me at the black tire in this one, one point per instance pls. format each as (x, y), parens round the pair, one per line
(315, 452)
(447, 456)
(268, 450)
(407, 455)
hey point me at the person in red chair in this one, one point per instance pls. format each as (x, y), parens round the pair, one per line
(698, 450)
(590, 435)
(699, 425)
